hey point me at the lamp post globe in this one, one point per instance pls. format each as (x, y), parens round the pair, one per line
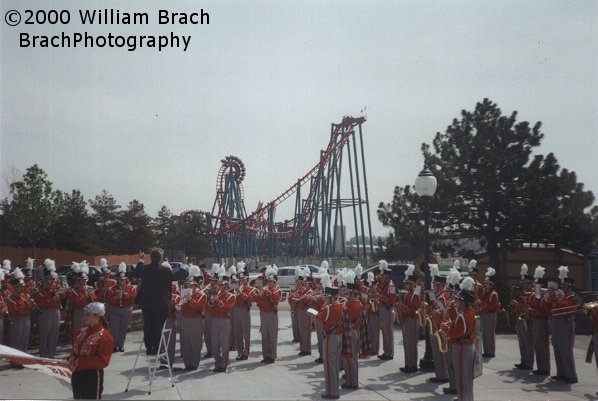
(425, 187)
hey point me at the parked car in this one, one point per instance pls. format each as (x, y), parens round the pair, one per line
(397, 272)
(286, 276)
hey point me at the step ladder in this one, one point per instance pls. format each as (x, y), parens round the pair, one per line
(153, 361)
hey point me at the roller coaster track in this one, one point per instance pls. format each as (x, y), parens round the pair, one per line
(258, 216)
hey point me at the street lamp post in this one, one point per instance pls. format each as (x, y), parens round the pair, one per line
(425, 187)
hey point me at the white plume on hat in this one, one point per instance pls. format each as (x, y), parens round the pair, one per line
(232, 271)
(409, 271)
(215, 268)
(349, 277)
(30, 264)
(18, 274)
(370, 278)
(6, 264)
(47, 261)
(2, 275)
(457, 264)
(84, 268)
(51, 267)
(433, 270)
(472, 264)
(122, 267)
(524, 270)
(539, 272)
(453, 277)
(194, 271)
(303, 271)
(358, 271)
(563, 272)
(241, 266)
(340, 277)
(103, 263)
(490, 272)
(75, 267)
(323, 267)
(166, 264)
(383, 265)
(325, 280)
(468, 284)
(221, 271)
(274, 269)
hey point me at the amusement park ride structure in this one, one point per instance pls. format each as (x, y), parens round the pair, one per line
(318, 217)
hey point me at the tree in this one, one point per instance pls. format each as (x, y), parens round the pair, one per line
(163, 226)
(106, 217)
(33, 208)
(74, 229)
(488, 185)
(136, 228)
(194, 234)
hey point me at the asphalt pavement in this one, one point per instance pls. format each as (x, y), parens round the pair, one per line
(294, 377)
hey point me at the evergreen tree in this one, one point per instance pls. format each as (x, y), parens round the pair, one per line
(106, 217)
(136, 228)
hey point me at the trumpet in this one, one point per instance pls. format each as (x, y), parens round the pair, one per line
(182, 302)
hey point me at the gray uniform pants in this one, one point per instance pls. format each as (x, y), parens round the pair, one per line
(489, 332)
(440, 359)
(242, 329)
(526, 343)
(462, 356)
(295, 325)
(119, 324)
(269, 328)
(19, 332)
(191, 339)
(350, 364)
(410, 336)
(207, 332)
(332, 353)
(170, 323)
(320, 336)
(386, 325)
(49, 322)
(78, 319)
(540, 333)
(451, 368)
(563, 339)
(304, 330)
(220, 333)
(374, 332)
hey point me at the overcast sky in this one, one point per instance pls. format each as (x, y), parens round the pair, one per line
(264, 80)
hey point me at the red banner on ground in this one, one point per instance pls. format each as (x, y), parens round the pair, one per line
(58, 368)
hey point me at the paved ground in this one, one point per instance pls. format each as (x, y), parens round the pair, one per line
(298, 378)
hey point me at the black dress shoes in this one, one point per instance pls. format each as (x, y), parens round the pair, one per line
(541, 372)
(408, 369)
(319, 360)
(438, 380)
(330, 397)
(208, 355)
(488, 355)
(385, 357)
(303, 353)
(349, 387)
(448, 390)
(219, 370)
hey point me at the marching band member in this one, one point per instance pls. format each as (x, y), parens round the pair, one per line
(564, 307)
(20, 305)
(79, 296)
(331, 315)
(387, 299)
(489, 305)
(48, 299)
(92, 350)
(303, 318)
(479, 287)
(190, 315)
(593, 320)
(316, 302)
(267, 300)
(373, 311)
(241, 313)
(519, 307)
(219, 307)
(103, 285)
(365, 345)
(461, 336)
(211, 286)
(353, 308)
(539, 312)
(292, 300)
(120, 298)
(436, 312)
(453, 279)
(410, 328)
